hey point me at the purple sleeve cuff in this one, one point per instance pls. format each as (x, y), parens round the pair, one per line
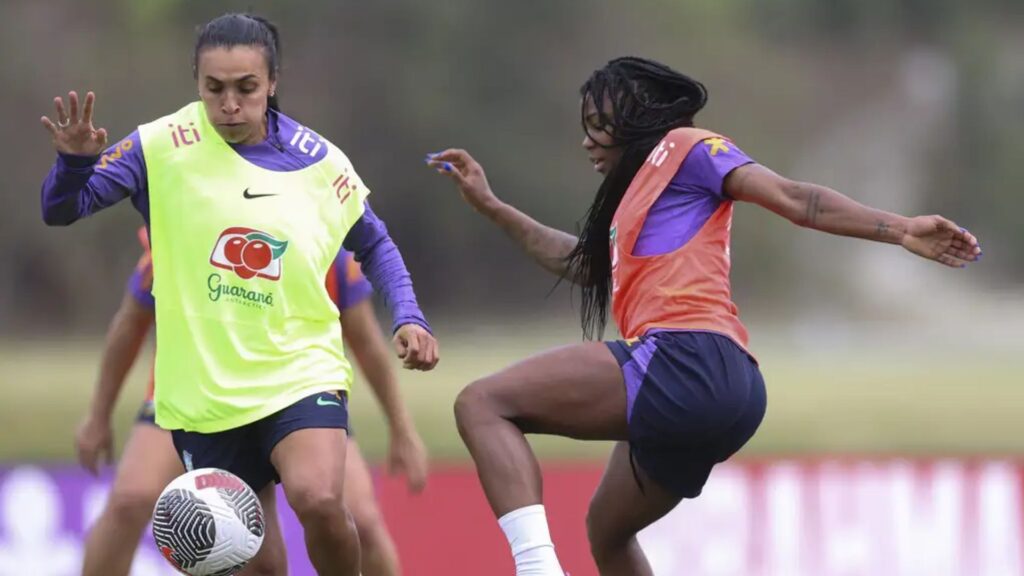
(384, 267)
(74, 162)
(78, 186)
(61, 195)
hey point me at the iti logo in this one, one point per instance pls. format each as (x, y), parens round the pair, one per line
(249, 253)
(182, 136)
(343, 186)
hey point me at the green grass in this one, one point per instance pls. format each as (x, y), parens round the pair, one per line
(862, 402)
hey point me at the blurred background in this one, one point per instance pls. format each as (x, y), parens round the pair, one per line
(871, 356)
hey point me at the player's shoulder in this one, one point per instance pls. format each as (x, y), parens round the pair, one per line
(306, 143)
(713, 149)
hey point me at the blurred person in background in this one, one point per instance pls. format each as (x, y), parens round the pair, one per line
(251, 375)
(149, 462)
(681, 392)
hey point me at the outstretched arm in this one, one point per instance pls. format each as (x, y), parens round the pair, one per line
(362, 333)
(547, 246)
(84, 179)
(814, 206)
(125, 336)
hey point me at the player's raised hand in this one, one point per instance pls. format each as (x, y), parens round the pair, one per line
(73, 132)
(468, 175)
(94, 444)
(416, 347)
(939, 239)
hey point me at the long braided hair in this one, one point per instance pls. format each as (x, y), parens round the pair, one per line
(646, 100)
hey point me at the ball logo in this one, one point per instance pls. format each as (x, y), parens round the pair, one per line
(219, 480)
(249, 253)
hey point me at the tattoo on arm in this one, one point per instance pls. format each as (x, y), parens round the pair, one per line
(548, 246)
(882, 230)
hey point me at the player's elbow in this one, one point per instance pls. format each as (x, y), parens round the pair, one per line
(797, 203)
(56, 218)
(58, 214)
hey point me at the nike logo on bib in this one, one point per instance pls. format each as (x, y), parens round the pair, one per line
(248, 196)
(321, 402)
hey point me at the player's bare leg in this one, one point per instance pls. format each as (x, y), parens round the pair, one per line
(575, 391)
(311, 463)
(619, 510)
(379, 555)
(147, 465)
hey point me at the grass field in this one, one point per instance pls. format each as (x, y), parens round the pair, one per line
(874, 401)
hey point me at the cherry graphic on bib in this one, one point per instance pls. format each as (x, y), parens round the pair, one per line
(244, 273)
(249, 253)
(256, 255)
(233, 250)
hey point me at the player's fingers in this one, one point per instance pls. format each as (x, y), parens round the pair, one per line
(49, 125)
(100, 137)
(412, 346)
(965, 255)
(456, 156)
(400, 346)
(962, 245)
(87, 458)
(430, 357)
(969, 240)
(417, 480)
(428, 351)
(446, 168)
(951, 261)
(90, 100)
(62, 115)
(73, 105)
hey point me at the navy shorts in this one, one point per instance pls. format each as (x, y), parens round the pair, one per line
(693, 400)
(245, 451)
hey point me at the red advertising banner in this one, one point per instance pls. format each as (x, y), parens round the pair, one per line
(834, 517)
(781, 518)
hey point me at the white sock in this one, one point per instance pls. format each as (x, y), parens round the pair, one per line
(530, 540)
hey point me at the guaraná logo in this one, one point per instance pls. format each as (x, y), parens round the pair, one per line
(249, 253)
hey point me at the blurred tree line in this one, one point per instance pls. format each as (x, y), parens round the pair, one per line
(389, 81)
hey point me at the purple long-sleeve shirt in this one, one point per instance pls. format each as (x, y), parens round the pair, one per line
(78, 186)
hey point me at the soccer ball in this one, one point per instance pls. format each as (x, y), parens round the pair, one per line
(208, 522)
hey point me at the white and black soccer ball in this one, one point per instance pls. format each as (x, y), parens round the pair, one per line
(208, 522)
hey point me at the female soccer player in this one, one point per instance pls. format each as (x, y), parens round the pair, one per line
(681, 392)
(149, 462)
(246, 211)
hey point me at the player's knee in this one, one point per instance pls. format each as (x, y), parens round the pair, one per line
(317, 503)
(473, 404)
(132, 505)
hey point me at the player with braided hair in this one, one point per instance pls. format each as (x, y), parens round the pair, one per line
(681, 392)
